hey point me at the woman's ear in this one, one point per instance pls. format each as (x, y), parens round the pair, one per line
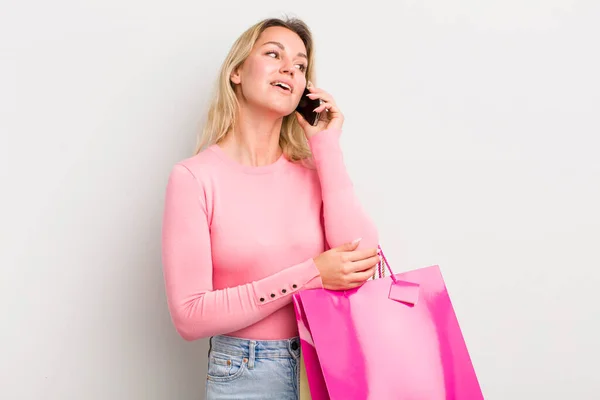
(235, 76)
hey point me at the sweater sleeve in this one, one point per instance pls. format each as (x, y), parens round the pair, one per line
(344, 218)
(197, 310)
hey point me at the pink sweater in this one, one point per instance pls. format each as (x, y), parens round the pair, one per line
(238, 241)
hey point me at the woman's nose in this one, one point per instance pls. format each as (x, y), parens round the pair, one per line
(287, 68)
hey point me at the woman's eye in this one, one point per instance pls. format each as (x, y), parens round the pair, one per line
(274, 54)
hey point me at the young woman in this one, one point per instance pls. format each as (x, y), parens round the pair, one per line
(265, 208)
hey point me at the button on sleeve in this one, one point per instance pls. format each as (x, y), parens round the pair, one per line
(281, 285)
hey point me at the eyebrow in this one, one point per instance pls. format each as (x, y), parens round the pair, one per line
(300, 54)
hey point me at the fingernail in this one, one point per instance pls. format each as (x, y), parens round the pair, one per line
(356, 240)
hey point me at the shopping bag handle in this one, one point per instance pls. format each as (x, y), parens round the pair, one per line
(380, 270)
(402, 291)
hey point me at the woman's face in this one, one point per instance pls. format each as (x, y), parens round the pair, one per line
(273, 76)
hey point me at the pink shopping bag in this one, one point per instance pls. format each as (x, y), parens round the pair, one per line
(393, 338)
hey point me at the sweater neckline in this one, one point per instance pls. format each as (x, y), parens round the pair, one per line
(249, 169)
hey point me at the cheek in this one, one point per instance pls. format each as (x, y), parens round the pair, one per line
(298, 95)
(259, 70)
(252, 79)
(302, 78)
(301, 85)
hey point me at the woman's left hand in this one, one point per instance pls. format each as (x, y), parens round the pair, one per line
(330, 118)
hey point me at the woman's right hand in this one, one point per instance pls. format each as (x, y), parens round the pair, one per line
(345, 267)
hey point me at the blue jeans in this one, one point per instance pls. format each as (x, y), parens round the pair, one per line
(252, 369)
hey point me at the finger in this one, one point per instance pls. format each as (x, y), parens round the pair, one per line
(315, 93)
(358, 255)
(327, 106)
(315, 89)
(364, 264)
(360, 278)
(367, 274)
(322, 96)
(349, 246)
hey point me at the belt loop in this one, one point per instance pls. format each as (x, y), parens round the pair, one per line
(251, 354)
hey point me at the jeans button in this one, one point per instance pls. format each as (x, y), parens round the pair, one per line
(294, 345)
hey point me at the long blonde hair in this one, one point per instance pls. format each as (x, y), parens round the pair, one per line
(222, 113)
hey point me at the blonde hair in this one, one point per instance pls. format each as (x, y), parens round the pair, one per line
(222, 113)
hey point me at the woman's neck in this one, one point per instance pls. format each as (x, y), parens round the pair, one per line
(255, 139)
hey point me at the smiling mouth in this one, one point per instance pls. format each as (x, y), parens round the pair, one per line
(283, 86)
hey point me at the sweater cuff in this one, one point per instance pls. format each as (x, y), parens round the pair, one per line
(299, 277)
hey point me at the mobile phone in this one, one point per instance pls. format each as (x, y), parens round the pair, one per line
(306, 106)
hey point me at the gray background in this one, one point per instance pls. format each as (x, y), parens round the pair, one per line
(471, 136)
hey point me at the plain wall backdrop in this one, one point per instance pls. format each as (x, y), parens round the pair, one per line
(472, 136)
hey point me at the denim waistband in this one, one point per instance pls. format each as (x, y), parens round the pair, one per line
(253, 349)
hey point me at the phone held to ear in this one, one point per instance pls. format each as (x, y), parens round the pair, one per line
(306, 107)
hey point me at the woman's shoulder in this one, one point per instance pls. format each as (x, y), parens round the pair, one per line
(200, 165)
